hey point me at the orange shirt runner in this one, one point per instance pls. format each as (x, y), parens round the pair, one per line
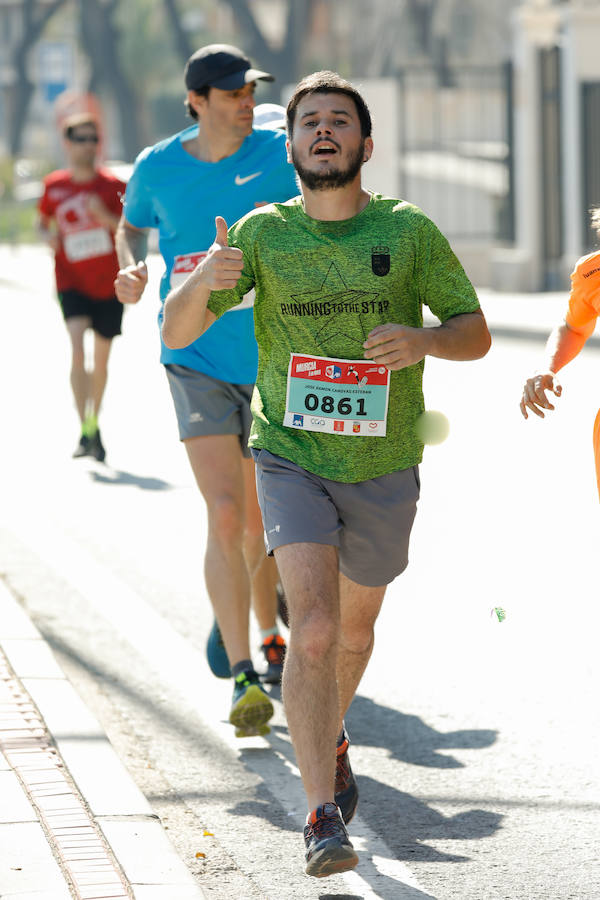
(584, 309)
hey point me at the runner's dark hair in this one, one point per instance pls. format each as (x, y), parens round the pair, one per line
(202, 92)
(328, 83)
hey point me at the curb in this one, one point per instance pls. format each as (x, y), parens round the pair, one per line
(73, 823)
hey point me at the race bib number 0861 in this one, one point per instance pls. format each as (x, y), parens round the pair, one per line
(341, 396)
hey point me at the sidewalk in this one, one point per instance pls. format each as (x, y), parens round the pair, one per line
(72, 821)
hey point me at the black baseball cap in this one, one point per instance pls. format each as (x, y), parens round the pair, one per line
(221, 66)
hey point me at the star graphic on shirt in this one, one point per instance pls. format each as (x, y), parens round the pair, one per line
(334, 290)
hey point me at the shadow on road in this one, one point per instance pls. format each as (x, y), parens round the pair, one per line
(408, 738)
(406, 823)
(117, 476)
(403, 822)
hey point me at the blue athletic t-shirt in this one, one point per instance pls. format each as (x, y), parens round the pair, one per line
(180, 196)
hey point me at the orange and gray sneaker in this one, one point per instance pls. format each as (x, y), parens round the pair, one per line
(346, 790)
(328, 847)
(273, 648)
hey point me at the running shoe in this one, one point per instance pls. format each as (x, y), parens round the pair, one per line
(83, 447)
(96, 448)
(282, 609)
(274, 651)
(216, 653)
(328, 847)
(346, 790)
(251, 708)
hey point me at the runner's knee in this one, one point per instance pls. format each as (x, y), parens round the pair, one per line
(357, 640)
(315, 635)
(226, 519)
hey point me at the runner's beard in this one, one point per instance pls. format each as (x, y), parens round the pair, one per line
(334, 178)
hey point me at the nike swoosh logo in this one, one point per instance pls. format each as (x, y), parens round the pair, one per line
(239, 180)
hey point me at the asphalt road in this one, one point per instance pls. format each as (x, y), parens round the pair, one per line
(475, 743)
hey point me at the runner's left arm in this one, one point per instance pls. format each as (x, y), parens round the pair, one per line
(565, 341)
(461, 337)
(444, 287)
(563, 345)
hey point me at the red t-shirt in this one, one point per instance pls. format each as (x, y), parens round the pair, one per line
(86, 260)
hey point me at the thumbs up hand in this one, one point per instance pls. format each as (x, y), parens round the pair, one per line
(222, 265)
(221, 226)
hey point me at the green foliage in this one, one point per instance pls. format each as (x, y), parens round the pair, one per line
(7, 178)
(17, 222)
(146, 51)
(151, 62)
(20, 183)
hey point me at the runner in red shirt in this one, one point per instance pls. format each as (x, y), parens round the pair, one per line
(78, 215)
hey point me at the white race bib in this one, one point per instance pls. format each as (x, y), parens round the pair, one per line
(185, 264)
(88, 243)
(338, 396)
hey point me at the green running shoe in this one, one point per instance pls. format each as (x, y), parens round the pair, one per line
(96, 447)
(251, 708)
(82, 448)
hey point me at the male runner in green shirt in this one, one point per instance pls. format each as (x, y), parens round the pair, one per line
(341, 275)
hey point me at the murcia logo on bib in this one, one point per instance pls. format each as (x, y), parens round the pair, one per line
(380, 260)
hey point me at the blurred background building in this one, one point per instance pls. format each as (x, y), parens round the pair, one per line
(487, 115)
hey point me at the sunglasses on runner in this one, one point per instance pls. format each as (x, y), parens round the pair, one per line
(84, 139)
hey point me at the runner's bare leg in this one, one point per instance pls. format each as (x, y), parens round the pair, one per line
(217, 464)
(309, 573)
(76, 327)
(99, 374)
(359, 606)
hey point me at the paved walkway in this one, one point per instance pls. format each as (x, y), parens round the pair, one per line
(72, 821)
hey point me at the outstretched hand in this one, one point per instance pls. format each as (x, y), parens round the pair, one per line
(222, 266)
(534, 393)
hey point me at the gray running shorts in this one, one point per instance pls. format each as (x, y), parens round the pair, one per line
(368, 521)
(205, 405)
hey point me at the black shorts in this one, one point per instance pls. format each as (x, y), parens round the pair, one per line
(106, 315)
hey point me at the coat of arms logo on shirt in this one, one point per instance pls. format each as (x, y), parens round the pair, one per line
(380, 260)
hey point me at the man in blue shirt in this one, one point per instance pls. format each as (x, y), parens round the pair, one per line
(221, 165)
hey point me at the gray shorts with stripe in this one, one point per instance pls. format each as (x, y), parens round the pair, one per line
(207, 406)
(368, 521)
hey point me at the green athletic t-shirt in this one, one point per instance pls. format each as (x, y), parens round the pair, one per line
(321, 287)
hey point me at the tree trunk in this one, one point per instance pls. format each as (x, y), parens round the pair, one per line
(183, 47)
(284, 64)
(21, 90)
(100, 41)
